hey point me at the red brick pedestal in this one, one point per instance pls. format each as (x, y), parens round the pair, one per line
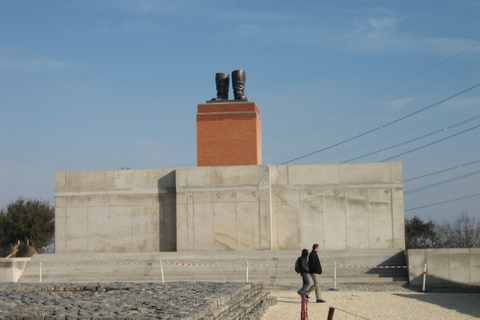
(229, 134)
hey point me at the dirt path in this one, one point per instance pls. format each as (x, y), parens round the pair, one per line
(378, 305)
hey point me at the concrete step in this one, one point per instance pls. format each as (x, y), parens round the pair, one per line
(263, 266)
(245, 305)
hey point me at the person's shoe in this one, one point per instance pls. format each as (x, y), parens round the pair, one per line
(306, 296)
(320, 301)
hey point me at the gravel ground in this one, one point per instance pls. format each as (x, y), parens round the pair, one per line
(377, 303)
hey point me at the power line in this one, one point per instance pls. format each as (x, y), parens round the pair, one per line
(405, 130)
(371, 108)
(441, 171)
(378, 93)
(385, 125)
(412, 140)
(443, 202)
(429, 144)
(442, 182)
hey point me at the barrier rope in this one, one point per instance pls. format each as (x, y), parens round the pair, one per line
(225, 265)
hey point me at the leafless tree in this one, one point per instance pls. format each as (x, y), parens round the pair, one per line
(463, 233)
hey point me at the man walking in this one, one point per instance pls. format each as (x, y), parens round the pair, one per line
(315, 270)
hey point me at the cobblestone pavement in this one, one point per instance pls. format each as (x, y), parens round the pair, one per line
(171, 300)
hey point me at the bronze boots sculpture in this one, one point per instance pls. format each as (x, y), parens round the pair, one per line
(222, 80)
(238, 83)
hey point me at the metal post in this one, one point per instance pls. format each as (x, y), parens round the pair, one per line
(424, 277)
(246, 272)
(331, 311)
(304, 312)
(40, 273)
(335, 276)
(161, 271)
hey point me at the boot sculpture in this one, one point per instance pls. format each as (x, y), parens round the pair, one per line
(238, 82)
(222, 81)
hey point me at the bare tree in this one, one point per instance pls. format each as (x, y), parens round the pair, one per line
(463, 233)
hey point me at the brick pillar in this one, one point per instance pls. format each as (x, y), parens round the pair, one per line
(229, 134)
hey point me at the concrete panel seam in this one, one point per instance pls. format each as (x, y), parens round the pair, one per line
(217, 189)
(338, 186)
(113, 192)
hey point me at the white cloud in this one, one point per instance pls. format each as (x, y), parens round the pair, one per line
(262, 17)
(365, 32)
(140, 26)
(143, 7)
(462, 103)
(13, 62)
(382, 24)
(400, 103)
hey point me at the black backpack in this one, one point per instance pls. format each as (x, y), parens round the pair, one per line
(297, 266)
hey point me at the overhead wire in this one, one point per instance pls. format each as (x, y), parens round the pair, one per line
(441, 171)
(405, 130)
(385, 125)
(443, 202)
(412, 140)
(443, 182)
(376, 106)
(429, 144)
(378, 93)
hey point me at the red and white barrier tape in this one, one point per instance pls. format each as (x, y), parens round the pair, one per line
(243, 265)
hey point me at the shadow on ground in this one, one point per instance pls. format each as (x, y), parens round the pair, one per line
(460, 297)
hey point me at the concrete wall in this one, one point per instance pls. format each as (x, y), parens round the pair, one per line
(224, 208)
(11, 268)
(339, 206)
(444, 266)
(115, 211)
(220, 208)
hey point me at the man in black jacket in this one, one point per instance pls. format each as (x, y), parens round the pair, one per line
(315, 270)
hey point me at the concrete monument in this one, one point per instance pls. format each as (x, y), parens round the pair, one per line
(230, 208)
(230, 201)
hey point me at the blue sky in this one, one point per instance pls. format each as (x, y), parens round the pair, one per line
(103, 85)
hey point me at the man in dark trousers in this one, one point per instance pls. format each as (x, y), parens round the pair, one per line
(315, 270)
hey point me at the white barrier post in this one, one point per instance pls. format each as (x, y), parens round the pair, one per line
(246, 273)
(335, 276)
(161, 271)
(40, 273)
(424, 277)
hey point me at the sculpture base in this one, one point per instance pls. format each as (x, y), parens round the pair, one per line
(229, 134)
(225, 101)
